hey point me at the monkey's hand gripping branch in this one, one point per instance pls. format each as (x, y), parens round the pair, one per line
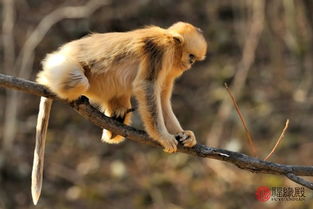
(93, 115)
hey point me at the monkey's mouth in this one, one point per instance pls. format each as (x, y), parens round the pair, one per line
(186, 66)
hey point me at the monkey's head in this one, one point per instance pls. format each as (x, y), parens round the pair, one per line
(194, 46)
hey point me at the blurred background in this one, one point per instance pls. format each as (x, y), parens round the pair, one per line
(262, 49)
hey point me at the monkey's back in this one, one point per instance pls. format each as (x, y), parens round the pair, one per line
(100, 50)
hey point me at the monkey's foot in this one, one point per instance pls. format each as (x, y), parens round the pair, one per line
(169, 143)
(111, 138)
(121, 115)
(187, 138)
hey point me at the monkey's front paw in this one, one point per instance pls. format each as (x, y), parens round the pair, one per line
(169, 143)
(187, 138)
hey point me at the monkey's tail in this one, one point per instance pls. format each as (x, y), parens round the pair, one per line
(41, 131)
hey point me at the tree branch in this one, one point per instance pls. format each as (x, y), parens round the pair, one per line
(242, 161)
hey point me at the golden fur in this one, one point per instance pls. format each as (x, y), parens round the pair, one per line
(109, 68)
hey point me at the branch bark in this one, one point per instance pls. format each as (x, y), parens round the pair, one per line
(242, 161)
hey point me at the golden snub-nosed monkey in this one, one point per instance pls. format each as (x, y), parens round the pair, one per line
(109, 68)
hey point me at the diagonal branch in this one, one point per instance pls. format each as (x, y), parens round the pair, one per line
(241, 75)
(242, 161)
(70, 12)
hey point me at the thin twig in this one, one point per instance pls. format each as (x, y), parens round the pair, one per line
(279, 139)
(247, 132)
(92, 114)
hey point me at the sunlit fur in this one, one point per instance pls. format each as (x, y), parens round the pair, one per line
(109, 68)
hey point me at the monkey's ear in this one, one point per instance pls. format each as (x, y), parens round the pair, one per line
(199, 30)
(178, 38)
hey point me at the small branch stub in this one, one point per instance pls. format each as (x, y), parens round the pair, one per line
(279, 139)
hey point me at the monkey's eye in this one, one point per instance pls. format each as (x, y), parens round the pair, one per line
(192, 58)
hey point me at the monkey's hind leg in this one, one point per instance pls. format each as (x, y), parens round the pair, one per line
(63, 76)
(118, 109)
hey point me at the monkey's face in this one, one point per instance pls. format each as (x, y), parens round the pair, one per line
(189, 58)
(194, 49)
(194, 46)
